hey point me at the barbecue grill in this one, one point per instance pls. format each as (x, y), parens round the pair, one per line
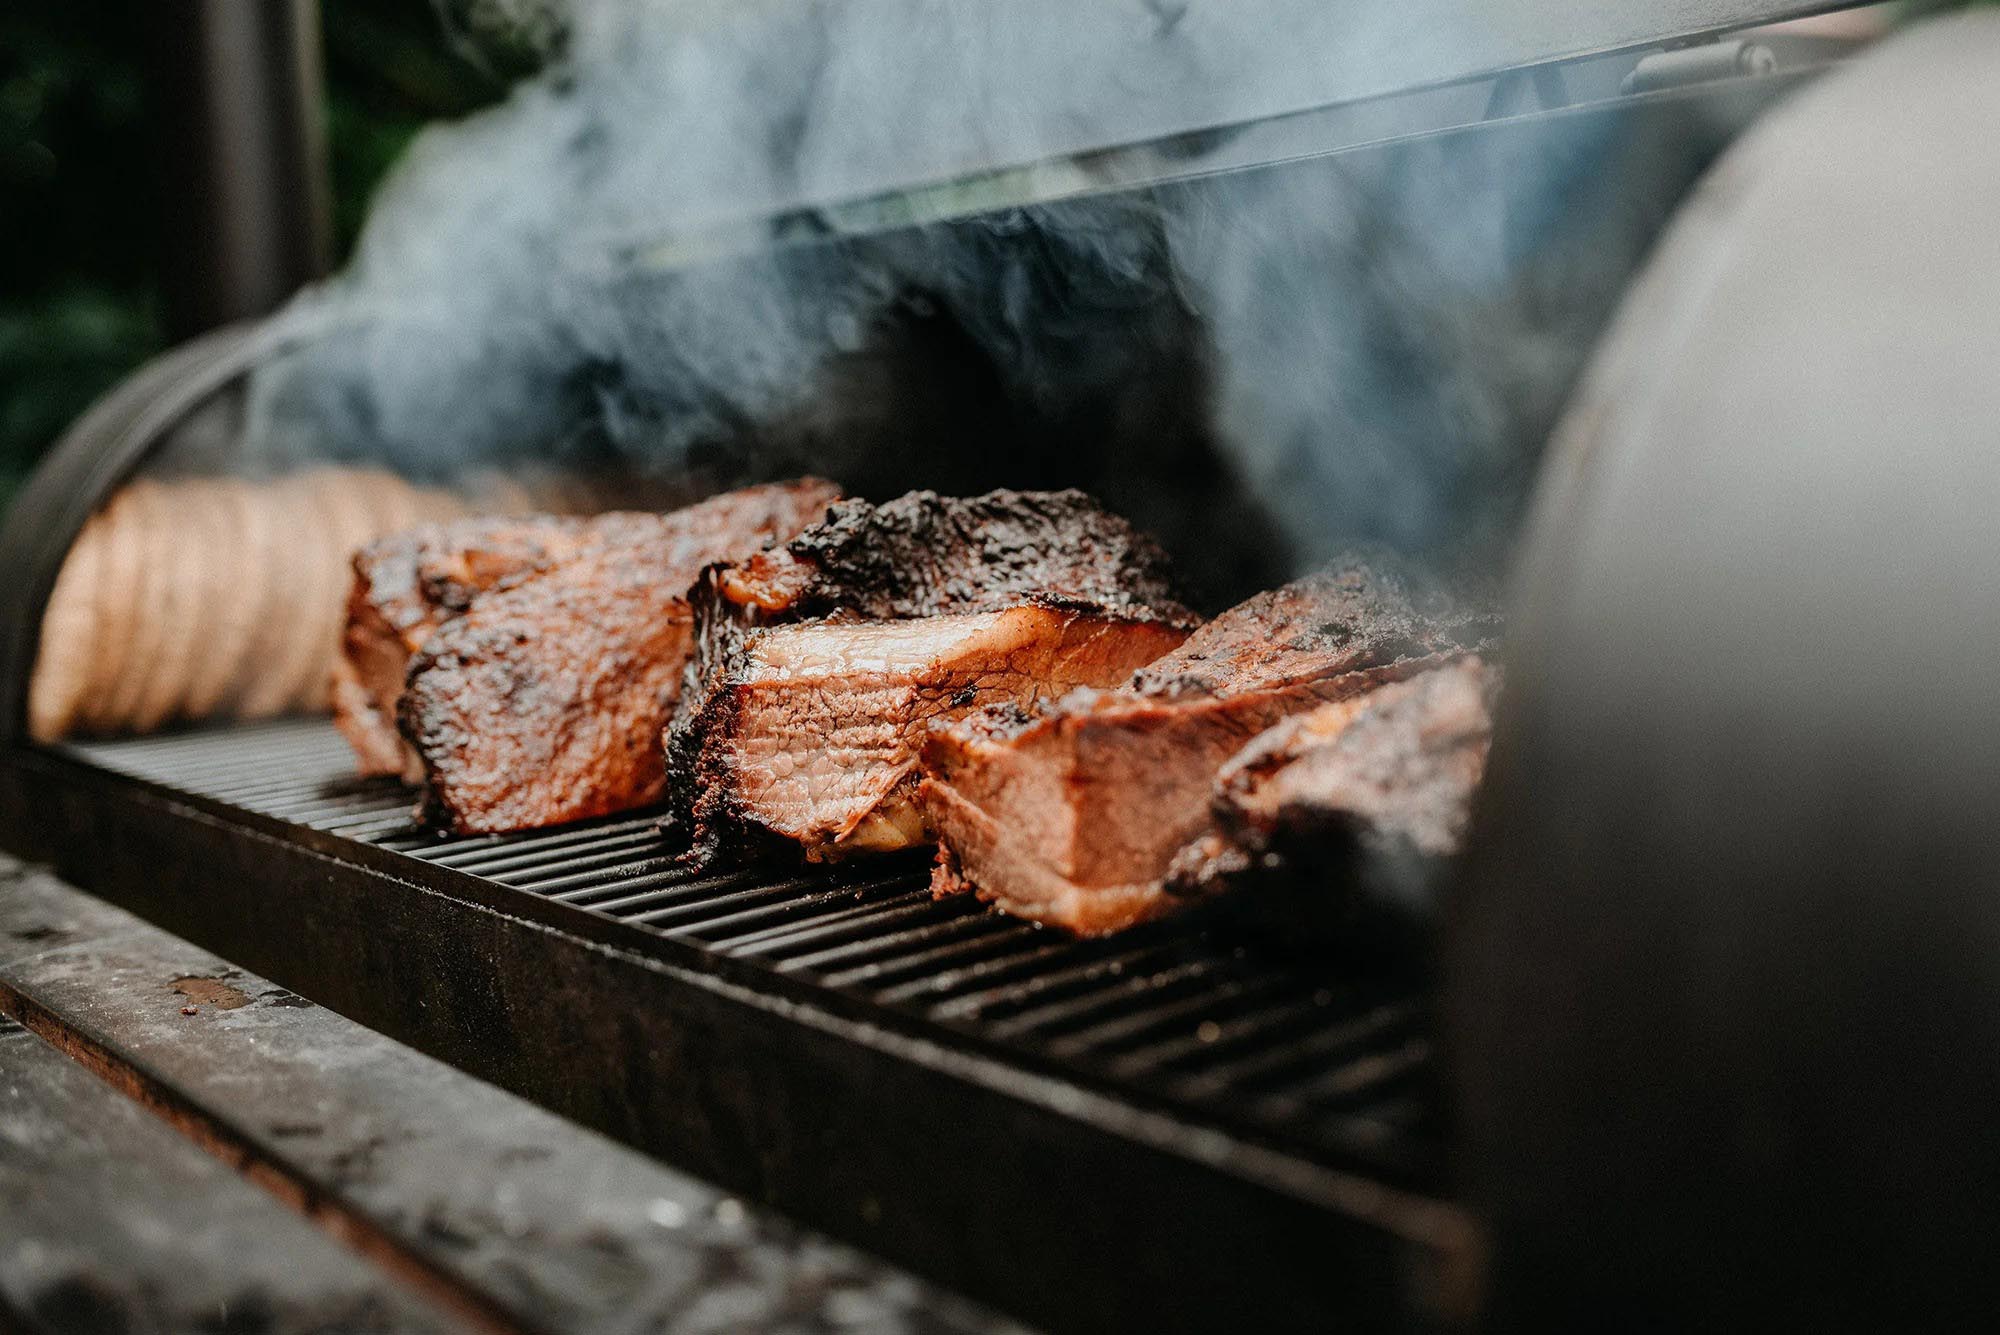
(1177, 1127)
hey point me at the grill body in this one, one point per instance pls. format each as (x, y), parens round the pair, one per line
(1170, 1130)
(1168, 1127)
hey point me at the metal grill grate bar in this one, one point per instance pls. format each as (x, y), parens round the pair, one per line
(1143, 995)
(1125, 1031)
(574, 871)
(1314, 1050)
(522, 853)
(320, 807)
(626, 895)
(1347, 1082)
(1017, 994)
(486, 853)
(701, 909)
(898, 945)
(1219, 1041)
(763, 940)
(994, 940)
(996, 971)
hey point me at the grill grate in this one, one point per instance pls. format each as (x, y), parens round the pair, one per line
(1334, 1067)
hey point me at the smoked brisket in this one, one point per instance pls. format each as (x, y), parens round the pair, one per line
(820, 663)
(1071, 813)
(542, 656)
(1348, 811)
(407, 585)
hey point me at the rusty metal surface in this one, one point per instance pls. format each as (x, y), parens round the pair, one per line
(109, 1221)
(440, 1178)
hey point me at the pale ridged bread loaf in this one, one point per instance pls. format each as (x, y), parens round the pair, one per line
(200, 598)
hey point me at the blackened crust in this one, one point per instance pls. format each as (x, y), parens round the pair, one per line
(543, 702)
(700, 798)
(928, 555)
(1357, 612)
(921, 555)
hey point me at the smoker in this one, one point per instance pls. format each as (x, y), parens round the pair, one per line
(1674, 1001)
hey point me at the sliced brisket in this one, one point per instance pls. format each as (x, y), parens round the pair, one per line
(407, 585)
(1072, 813)
(544, 657)
(1347, 810)
(819, 663)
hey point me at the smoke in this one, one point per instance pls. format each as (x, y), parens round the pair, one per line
(626, 265)
(1396, 331)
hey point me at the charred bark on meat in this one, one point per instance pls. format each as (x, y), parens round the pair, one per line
(873, 623)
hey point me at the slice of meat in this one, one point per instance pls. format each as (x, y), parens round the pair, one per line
(543, 659)
(1351, 806)
(1071, 814)
(404, 587)
(820, 662)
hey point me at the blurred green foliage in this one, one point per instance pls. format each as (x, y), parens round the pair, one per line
(76, 305)
(78, 262)
(394, 65)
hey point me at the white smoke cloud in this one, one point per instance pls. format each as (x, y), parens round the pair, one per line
(1265, 366)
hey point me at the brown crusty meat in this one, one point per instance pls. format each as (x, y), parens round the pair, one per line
(820, 662)
(1071, 814)
(407, 585)
(554, 652)
(1349, 809)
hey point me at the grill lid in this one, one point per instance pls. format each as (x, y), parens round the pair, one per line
(1138, 92)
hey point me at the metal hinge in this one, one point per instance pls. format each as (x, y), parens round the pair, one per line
(1705, 62)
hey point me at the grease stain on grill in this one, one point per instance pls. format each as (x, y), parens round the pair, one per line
(211, 992)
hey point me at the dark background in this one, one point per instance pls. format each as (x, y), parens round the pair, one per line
(80, 180)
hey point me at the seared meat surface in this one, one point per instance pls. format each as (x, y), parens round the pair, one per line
(407, 585)
(1360, 798)
(820, 662)
(543, 659)
(1072, 813)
